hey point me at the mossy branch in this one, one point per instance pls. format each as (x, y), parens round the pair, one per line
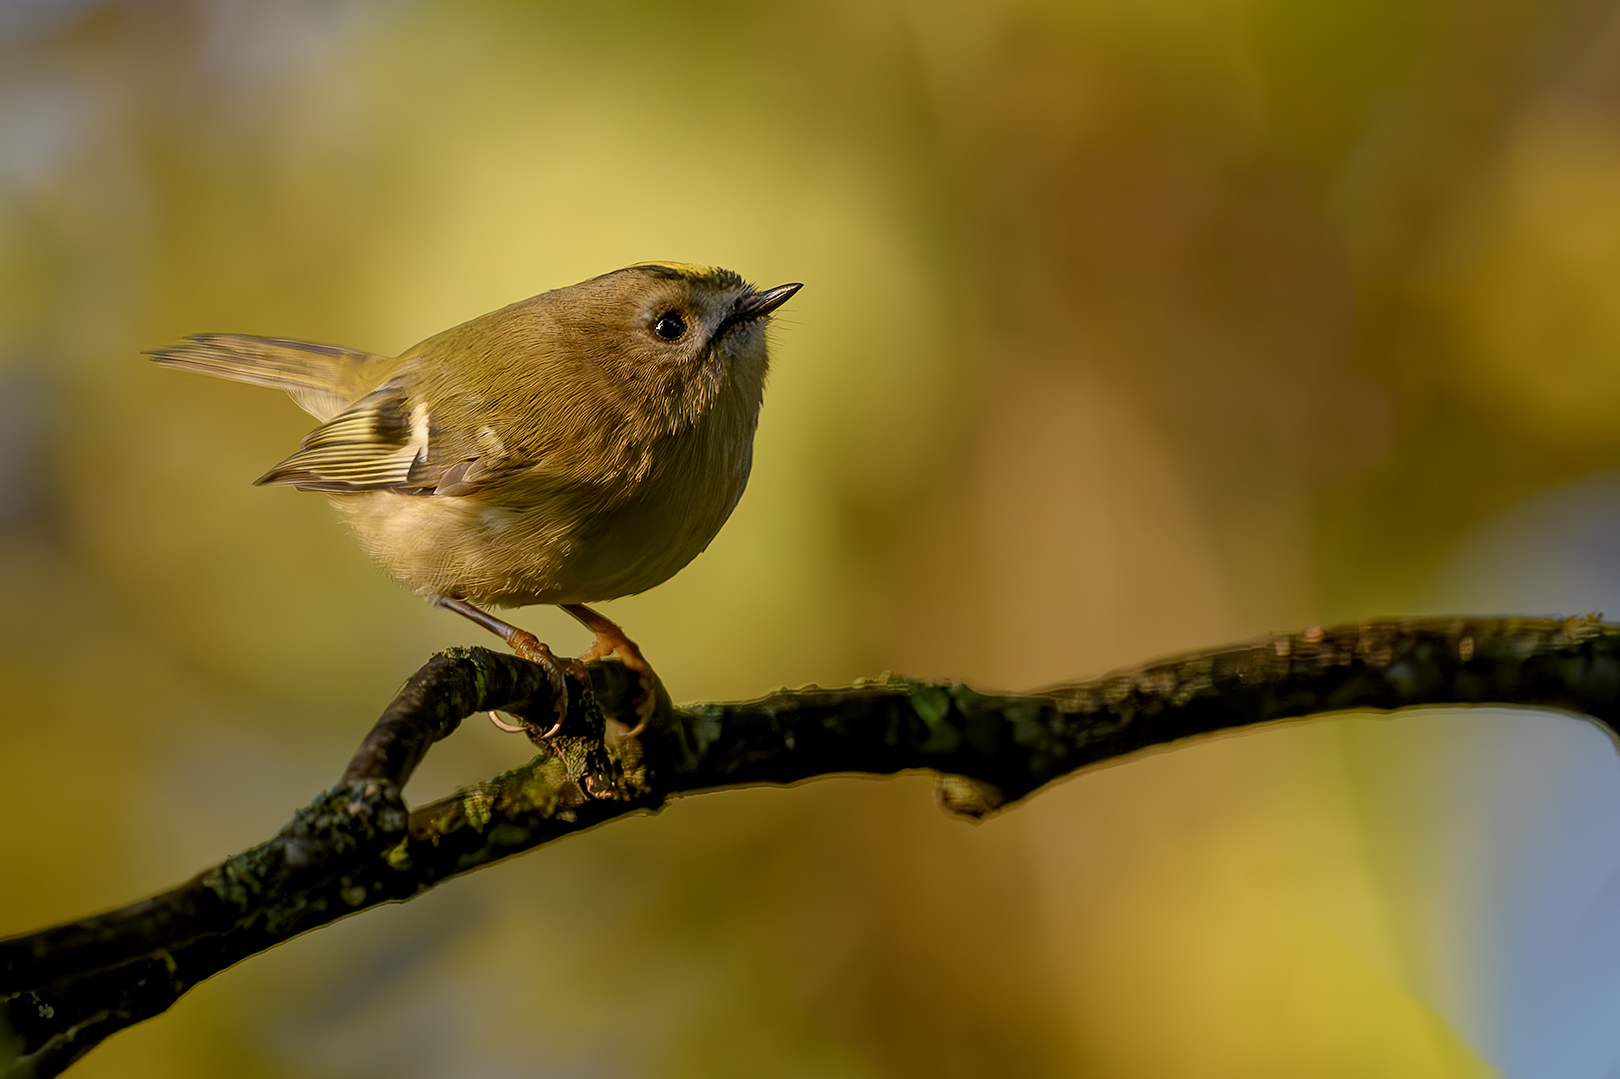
(64, 989)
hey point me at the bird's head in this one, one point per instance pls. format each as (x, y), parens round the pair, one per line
(670, 324)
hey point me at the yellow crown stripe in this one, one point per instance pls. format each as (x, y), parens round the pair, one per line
(679, 269)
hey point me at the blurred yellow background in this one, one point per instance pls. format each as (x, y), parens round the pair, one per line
(1130, 326)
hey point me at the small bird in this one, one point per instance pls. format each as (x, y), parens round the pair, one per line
(580, 445)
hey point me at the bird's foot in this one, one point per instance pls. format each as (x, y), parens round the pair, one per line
(611, 643)
(527, 646)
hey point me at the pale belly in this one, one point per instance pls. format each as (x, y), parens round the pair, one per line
(567, 545)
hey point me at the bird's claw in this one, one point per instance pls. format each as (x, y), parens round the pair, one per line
(527, 646)
(646, 703)
(614, 645)
(502, 725)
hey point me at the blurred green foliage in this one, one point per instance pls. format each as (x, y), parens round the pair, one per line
(1130, 326)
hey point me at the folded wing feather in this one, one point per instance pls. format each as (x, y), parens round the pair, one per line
(372, 445)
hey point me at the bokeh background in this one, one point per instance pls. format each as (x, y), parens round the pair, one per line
(1130, 326)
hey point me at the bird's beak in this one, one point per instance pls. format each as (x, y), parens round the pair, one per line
(759, 304)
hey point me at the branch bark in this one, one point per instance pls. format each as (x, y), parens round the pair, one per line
(64, 989)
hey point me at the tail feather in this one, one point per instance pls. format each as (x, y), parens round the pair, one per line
(323, 379)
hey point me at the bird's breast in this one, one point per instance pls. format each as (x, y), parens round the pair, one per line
(551, 536)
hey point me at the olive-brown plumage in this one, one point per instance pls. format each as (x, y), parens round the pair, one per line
(580, 445)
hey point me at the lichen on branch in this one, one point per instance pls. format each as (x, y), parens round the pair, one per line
(64, 989)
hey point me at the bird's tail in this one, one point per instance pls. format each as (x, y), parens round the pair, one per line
(323, 379)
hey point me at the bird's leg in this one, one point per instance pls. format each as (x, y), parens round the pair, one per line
(524, 644)
(611, 643)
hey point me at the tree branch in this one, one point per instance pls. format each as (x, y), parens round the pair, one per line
(64, 989)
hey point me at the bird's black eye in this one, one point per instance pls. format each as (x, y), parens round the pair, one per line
(670, 325)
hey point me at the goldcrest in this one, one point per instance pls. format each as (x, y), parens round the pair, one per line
(580, 445)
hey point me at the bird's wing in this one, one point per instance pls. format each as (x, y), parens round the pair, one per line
(323, 379)
(388, 441)
(372, 445)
